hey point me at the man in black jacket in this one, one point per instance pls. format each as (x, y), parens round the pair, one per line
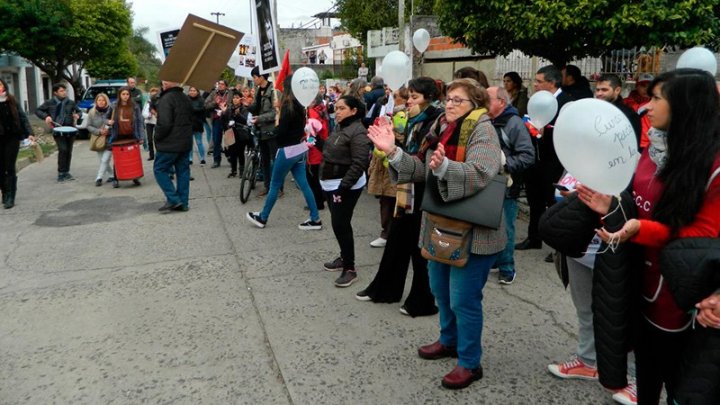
(519, 156)
(608, 88)
(60, 111)
(173, 144)
(548, 169)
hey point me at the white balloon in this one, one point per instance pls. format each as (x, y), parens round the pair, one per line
(421, 39)
(396, 69)
(595, 142)
(698, 58)
(542, 108)
(305, 85)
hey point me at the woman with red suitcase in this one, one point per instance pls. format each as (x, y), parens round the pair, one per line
(126, 131)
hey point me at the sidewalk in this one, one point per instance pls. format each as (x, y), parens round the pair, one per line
(105, 300)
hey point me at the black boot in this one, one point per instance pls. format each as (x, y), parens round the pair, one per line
(11, 189)
(3, 188)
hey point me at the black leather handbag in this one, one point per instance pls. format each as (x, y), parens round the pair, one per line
(483, 208)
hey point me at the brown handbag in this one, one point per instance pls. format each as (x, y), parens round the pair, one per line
(448, 240)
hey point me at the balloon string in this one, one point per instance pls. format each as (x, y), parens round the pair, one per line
(614, 241)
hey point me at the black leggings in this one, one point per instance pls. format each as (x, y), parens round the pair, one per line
(236, 153)
(313, 177)
(341, 212)
(657, 360)
(150, 131)
(8, 156)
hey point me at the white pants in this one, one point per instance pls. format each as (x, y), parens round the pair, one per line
(105, 166)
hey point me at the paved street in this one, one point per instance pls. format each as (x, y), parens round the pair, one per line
(106, 301)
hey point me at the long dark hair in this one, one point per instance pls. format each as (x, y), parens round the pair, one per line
(287, 101)
(131, 102)
(515, 78)
(12, 104)
(693, 143)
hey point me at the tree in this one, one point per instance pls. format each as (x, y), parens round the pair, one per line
(561, 31)
(144, 52)
(63, 36)
(360, 16)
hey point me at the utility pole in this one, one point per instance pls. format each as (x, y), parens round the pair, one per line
(401, 25)
(217, 15)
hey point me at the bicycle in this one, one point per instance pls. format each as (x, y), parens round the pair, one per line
(248, 177)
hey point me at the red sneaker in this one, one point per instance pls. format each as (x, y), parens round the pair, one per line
(627, 395)
(575, 369)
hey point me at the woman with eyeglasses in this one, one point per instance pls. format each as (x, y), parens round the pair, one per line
(401, 246)
(676, 198)
(463, 153)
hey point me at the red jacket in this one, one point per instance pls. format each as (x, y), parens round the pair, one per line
(659, 305)
(315, 156)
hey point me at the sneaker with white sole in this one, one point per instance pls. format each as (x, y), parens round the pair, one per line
(378, 243)
(254, 218)
(310, 225)
(363, 296)
(574, 369)
(346, 279)
(627, 395)
(335, 265)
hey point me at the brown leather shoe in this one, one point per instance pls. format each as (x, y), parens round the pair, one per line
(461, 377)
(436, 351)
(262, 193)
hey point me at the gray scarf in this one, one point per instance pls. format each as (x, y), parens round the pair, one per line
(658, 147)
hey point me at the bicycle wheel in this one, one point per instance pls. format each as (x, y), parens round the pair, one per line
(248, 179)
(253, 175)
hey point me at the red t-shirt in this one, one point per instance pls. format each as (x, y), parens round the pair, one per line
(659, 305)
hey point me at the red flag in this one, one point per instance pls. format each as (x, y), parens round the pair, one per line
(285, 71)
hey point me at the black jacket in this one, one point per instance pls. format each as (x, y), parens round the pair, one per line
(17, 127)
(545, 149)
(61, 111)
(291, 128)
(173, 132)
(198, 117)
(346, 153)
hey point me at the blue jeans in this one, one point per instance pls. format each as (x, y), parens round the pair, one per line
(280, 169)
(458, 293)
(505, 260)
(208, 131)
(217, 133)
(167, 163)
(200, 146)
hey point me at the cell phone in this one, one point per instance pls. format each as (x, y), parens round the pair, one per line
(560, 187)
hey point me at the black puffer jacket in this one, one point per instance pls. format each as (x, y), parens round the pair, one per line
(691, 267)
(568, 225)
(346, 154)
(173, 132)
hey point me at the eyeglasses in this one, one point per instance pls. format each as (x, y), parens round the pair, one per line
(456, 100)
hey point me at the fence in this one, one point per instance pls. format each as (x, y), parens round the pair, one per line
(626, 63)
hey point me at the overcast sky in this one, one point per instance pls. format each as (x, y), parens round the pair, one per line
(161, 14)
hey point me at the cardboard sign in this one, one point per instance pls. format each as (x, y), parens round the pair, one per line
(200, 53)
(268, 47)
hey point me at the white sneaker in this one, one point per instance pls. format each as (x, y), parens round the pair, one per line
(379, 242)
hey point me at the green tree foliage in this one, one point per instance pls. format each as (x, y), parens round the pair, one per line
(561, 31)
(360, 16)
(63, 36)
(145, 53)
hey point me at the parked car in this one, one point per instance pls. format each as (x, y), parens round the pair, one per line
(109, 87)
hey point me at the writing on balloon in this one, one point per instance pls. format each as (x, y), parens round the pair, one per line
(620, 134)
(308, 84)
(620, 160)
